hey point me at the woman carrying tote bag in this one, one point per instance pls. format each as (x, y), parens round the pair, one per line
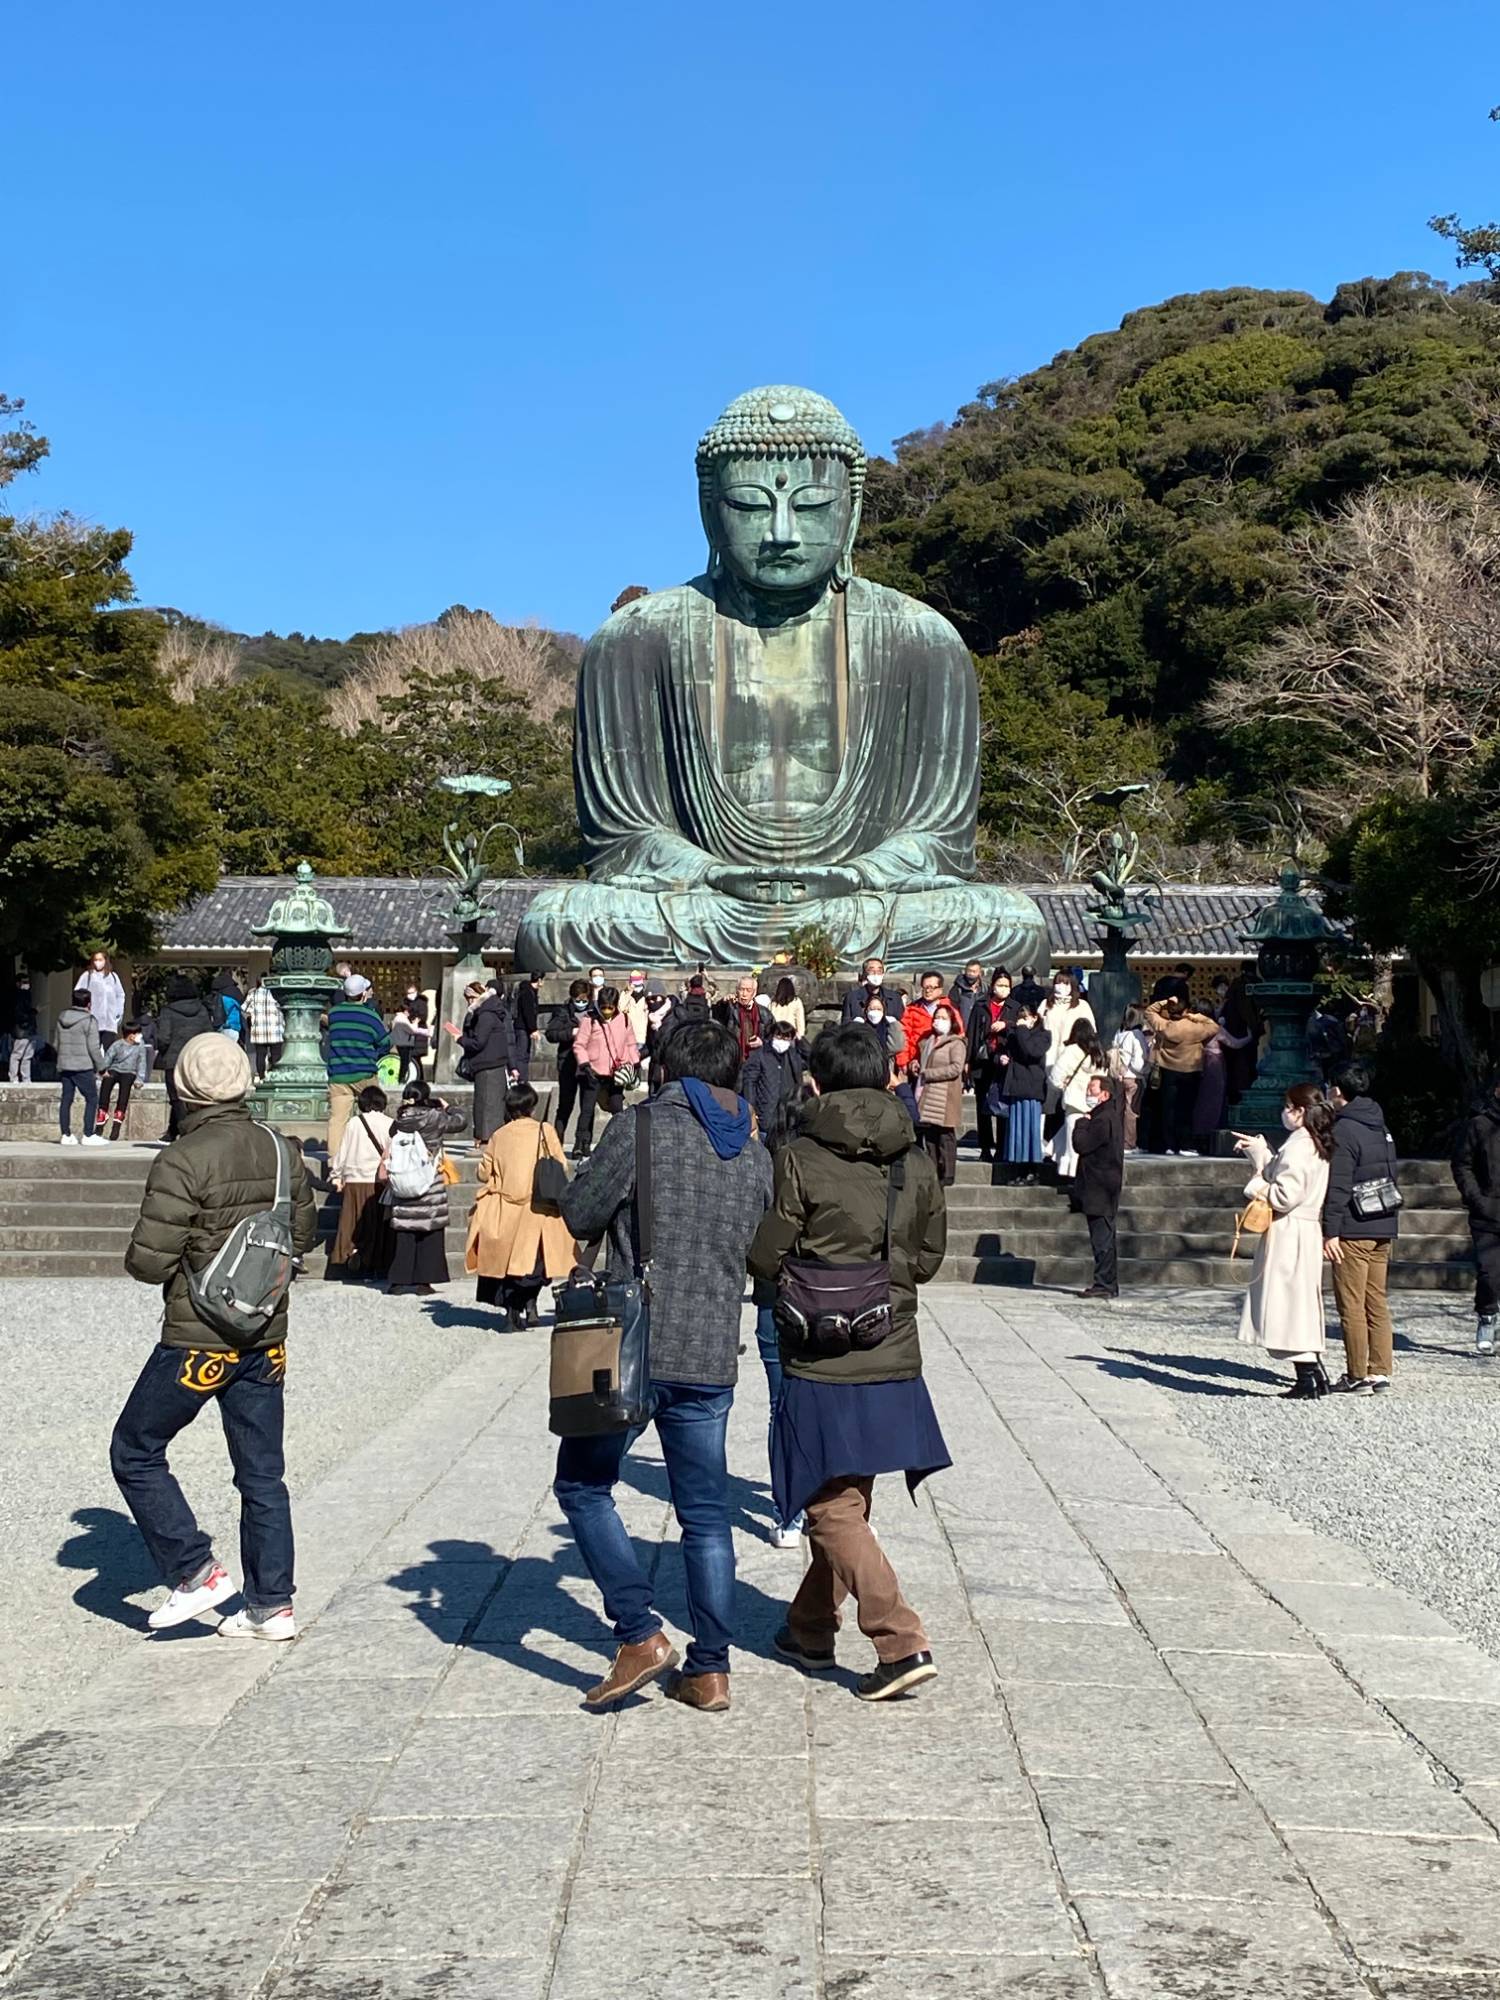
(518, 1241)
(1283, 1310)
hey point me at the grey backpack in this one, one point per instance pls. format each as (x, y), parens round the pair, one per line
(240, 1289)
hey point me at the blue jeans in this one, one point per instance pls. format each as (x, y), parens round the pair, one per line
(82, 1083)
(172, 1388)
(692, 1425)
(770, 1359)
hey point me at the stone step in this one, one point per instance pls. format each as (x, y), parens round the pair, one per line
(1213, 1273)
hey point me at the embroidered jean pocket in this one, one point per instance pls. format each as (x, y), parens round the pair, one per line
(206, 1369)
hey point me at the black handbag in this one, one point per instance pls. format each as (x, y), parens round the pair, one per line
(601, 1335)
(549, 1177)
(833, 1309)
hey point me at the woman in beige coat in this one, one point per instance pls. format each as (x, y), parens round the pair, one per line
(942, 1057)
(1283, 1310)
(515, 1243)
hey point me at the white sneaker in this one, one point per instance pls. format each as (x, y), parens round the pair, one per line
(1484, 1335)
(786, 1538)
(1378, 1383)
(67, 1139)
(95, 1139)
(246, 1625)
(191, 1601)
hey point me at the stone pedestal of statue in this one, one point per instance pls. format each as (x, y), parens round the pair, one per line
(779, 742)
(468, 942)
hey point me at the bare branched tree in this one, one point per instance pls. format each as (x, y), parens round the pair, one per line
(194, 658)
(468, 643)
(1396, 671)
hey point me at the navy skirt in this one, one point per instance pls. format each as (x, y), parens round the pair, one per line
(851, 1430)
(1023, 1132)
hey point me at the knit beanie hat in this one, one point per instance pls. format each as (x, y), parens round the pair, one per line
(212, 1069)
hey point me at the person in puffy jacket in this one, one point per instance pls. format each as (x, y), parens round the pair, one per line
(604, 1042)
(1358, 1245)
(419, 1260)
(126, 1063)
(771, 1084)
(80, 1057)
(221, 1170)
(1023, 1063)
(183, 1015)
(845, 1418)
(493, 1057)
(942, 1056)
(1476, 1174)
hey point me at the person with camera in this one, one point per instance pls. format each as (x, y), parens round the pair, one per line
(857, 1222)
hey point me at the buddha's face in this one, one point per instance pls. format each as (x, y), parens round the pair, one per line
(780, 524)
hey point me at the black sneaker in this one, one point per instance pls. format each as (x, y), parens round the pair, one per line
(896, 1677)
(802, 1656)
(1351, 1385)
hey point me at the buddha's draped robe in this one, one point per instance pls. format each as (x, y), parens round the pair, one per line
(660, 801)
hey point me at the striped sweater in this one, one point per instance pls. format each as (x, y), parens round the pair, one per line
(357, 1039)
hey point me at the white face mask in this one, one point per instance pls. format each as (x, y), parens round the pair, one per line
(942, 1025)
(596, 980)
(1290, 1120)
(781, 1043)
(637, 986)
(1062, 993)
(874, 978)
(875, 1016)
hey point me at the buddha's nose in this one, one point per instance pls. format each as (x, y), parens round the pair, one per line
(783, 522)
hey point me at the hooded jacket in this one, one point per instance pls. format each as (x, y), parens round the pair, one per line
(182, 1016)
(489, 1039)
(830, 1203)
(704, 1211)
(219, 1170)
(1363, 1150)
(1476, 1165)
(77, 1040)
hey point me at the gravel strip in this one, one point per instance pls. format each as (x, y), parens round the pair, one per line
(75, 1580)
(1408, 1478)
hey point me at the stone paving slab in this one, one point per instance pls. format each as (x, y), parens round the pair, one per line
(1180, 1747)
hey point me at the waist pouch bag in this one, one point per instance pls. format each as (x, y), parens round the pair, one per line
(601, 1335)
(1381, 1196)
(834, 1309)
(240, 1289)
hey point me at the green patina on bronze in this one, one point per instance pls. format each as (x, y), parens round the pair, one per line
(302, 931)
(778, 742)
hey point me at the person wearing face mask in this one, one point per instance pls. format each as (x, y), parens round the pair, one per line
(633, 1007)
(106, 996)
(966, 991)
(917, 1018)
(23, 1030)
(891, 1036)
(871, 987)
(575, 1081)
(1062, 1012)
(604, 1042)
(990, 1021)
(941, 1058)
(771, 1085)
(1283, 1310)
(1099, 1144)
(1024, 1063)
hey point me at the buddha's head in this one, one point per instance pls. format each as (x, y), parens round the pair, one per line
(780, 480)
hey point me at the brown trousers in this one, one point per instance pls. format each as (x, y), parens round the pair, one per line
(1359, 1286)
(847, 1561)
(1130, 1094)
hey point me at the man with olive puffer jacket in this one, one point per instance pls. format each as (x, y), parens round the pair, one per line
(221, 1170)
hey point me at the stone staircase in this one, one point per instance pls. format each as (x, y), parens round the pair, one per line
(69, 1213)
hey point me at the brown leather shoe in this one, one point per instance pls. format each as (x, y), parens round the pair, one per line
(633, 1667)
(707, 1692)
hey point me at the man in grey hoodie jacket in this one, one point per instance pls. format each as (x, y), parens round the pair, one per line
(80, 1057)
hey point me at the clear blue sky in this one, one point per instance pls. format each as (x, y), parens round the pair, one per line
(351, 312)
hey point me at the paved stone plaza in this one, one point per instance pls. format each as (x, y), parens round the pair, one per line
(1182, 1744)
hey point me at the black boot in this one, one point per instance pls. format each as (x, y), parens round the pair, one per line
(1321, 1373)
(1305, 1388)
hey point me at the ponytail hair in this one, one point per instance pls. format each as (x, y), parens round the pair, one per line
(1317, 1115)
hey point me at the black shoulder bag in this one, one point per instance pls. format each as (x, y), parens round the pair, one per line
(833, 1309)
(601, 1337)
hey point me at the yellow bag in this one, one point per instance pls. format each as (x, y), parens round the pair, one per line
(448, 1172)
(1254, 1219)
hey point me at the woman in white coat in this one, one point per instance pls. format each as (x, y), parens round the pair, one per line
(1283, 1310)
(1068, 1074)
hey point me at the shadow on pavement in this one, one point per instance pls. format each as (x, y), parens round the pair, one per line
(111, 1547)
(1194, 1374)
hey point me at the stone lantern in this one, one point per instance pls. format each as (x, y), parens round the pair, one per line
(303, 931)
(1289, 938)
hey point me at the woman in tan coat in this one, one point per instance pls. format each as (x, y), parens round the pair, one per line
(942, 1057)
(1283, 1310)
(515, 1243)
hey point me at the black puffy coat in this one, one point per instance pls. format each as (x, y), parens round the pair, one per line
(1025, 1075)
(772, 1086)
(183, 1016)
(489, 1039)
(1476, 1164)
(1363, 1150)
(220, 1170)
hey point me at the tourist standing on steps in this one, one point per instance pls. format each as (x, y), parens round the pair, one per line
(357, 1039)
(1063, 1012)
(183, 1016)
(1283, 1310)
(411, 1034)
(604, 1044)
(1130, 1062)
(989, 1030)
(575, 1080)
(106, 995)
(226, 1005)
(1023, 1062)
(488, 1041)
(419, 1223)
(23, 1030)
(362, 1248)
(1099, 1144)
(127, 1062)
(1476, 1173)
(527, 1016)
(711, 1183)
(853, 1189)
(267, 1028)
(220, 1171)
(942, 1056)
(871, 984)
(1178, 1039)
(918, 1016)
(80, 1057)
(1068, 1075)
(516, 1243)
(1359, 1230)
(746, 1016)
(966, 991)
(785, 1006)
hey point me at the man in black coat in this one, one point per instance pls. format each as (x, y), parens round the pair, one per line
(528, 1019)
(1099, 1142)
(489, 1045)
(1476, 1170)
(871, 982)
(772, 1086)
(1359, 1245)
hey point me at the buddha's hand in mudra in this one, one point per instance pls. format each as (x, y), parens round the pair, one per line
(751, 885)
